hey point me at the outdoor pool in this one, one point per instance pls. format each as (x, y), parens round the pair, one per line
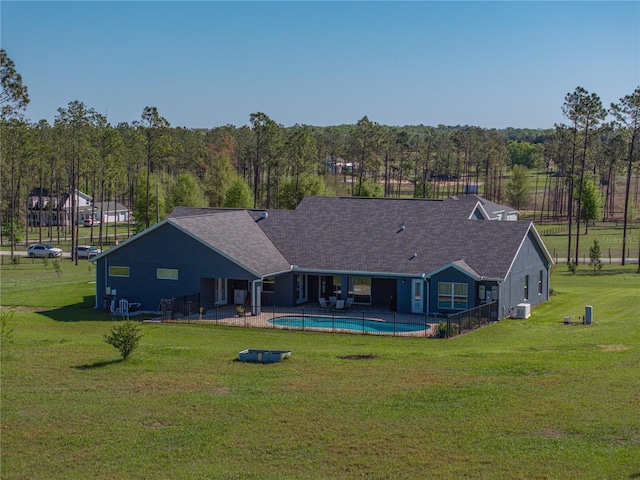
(348, 324)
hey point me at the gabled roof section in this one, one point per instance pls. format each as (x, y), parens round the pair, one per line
(490, 210)
(460, 265)
(235, 235)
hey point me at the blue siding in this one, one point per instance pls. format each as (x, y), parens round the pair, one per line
(529, 261)
(164, 247)
(451, 275)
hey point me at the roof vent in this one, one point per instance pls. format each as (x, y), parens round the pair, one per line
(413, 256)
(263, 215)
(402, 227)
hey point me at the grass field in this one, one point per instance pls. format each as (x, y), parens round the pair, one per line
(520, 399)
(608, 235)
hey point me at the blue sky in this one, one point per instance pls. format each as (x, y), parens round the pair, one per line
(206, 64)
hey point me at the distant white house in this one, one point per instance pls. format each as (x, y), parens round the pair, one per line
(49, 209)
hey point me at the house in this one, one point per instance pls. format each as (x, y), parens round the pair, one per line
(410, 255)
(46, 208)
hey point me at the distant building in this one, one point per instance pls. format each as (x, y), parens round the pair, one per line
(47, 209)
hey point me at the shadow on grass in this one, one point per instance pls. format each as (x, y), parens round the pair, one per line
(78, 312)
(97, 364)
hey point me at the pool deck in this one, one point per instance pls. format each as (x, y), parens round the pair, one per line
(227, 315)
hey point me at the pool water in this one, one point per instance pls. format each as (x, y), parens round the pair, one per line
(345, 323)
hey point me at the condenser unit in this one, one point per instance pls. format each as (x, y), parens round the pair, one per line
(523, 310)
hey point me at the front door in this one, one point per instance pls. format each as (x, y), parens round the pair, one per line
(221, 291)
(417, 290)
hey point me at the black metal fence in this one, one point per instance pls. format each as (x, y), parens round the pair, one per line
(356, 320)
(468, 320)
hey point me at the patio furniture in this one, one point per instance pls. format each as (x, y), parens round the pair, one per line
(348, 303)
(339, 305)
(333, 299)
(323, 303)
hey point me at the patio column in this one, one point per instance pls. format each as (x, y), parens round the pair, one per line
(344, 287)
(256, 297)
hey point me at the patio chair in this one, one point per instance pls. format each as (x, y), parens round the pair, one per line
(333, 299)
(339, 305)
(348, 303)
(323, 303)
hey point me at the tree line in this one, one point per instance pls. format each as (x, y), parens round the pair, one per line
(151, 166)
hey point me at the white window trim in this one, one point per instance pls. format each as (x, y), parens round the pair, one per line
(453, 295)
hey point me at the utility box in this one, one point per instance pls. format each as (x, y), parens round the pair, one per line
(588, 315)
(523, 310)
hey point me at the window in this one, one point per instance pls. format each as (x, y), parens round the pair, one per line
(526, 287)
(118, 271)
(540, 282)
(452, 295)
(167, 273)
(269, 285)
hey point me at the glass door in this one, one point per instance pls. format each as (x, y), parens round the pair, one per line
(417, 287)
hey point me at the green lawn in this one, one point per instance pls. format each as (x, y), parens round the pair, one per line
(520, 399)
(609, 236)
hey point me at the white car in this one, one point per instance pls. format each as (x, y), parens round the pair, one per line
(90, 221)
(86, 251)
(42, 251)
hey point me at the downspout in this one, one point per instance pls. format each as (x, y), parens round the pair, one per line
(499, 299)
(426, 292)
(106, 275)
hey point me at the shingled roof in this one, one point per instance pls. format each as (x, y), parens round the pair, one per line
(235, 235)
(370, 236)
(401, 237)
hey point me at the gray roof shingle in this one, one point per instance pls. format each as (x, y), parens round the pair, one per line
(366, 235)
(235, 235)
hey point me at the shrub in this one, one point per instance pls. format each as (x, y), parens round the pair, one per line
(124, 336)
(442, 330)
(57, 268)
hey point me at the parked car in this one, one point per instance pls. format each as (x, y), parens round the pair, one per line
(90, 221)
(42, 251)
(85, 251)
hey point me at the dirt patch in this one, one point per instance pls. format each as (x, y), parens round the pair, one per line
(613, 348)
(359, 357)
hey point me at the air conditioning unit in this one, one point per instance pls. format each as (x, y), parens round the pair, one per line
(523, 310)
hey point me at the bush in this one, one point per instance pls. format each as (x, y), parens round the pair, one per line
(442, 330)
(124, 336)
